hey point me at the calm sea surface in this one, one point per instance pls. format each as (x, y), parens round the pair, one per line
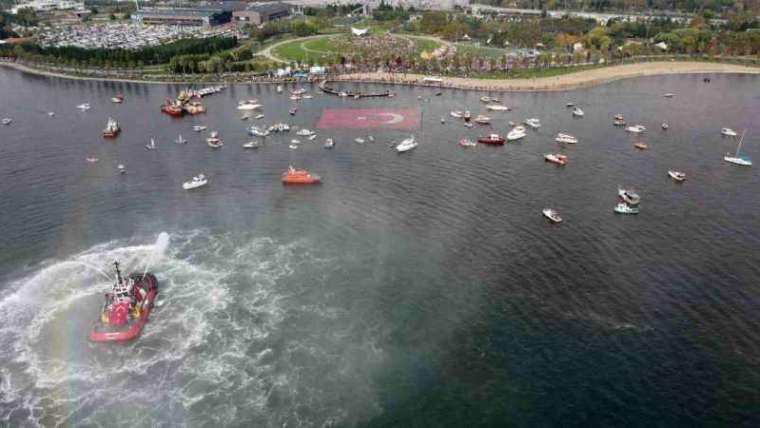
(422, 289)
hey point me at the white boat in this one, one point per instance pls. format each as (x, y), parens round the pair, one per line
(343, 94)
(197, 181)
(293, 146)
(468, 125)
(668, 95)
(566, 138)
(329, 143)
(629, 196)
(497, 107)
(214, 141)
(665, 126)
(251, 145)
(371, 139)
(570, 104)
(487, 99)
(248, 105)
(180, 140)
(91, 160)
(533, 123)
(305, 132)
(259, 116)
(307, 96)
(51, 113)
(406, 145)
(6, 121)
(636, 129)
(737, 158)
(295, 141)
(443, 119)
(623, 208)
(151, 145)
(577, 112)
(728, 132)
(556, 158)
(255, 130)
(295, 97)
(122, 169)
(466, 142)
(516, 133)
(117, 100)
(677, 175)
(457, 114)
(483, 120)
(279, 127)
(298, 91)
(552, 215)
(313, 137)
(84, 107)
(279, 89)
(359, 140)
(199, 128)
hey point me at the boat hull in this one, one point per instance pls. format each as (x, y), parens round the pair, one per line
(106, 333)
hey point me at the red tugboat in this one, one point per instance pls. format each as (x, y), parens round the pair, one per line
(299, 176)
(126, 308)
(172, 109)
(493, 139)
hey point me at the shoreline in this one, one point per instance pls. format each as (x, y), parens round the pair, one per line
(569, 81)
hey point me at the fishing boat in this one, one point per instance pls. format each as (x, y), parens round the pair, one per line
(466, 142)
(678, 176)
(214, 141)
(151, 145)
(258, 132)
(248, 105)
(737, 158)
(552, 215)
(533, 123)
(6, 121)
(299, 176)
(407, 145)
(197, 181)
(118, 99)
(577, 112)
(199, 128)
(497, 107)
(566, 139)
(728, 132)
(517, 133)
(180, 140)
(126, 308)
(112, 128)
(556, 158)
(629, 196)
(623, 208)
(172, 109)
(493, 139)
(457, 114)
(329, 143)
(483, 120)
(252, 145)
(636, 129)
(84, 107)
(641, 146)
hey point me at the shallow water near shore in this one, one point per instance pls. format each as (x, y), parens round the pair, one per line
(420, 289)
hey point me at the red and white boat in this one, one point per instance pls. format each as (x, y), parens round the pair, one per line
(556, 158)
(126, 308)
(172, 109)
(493, 139)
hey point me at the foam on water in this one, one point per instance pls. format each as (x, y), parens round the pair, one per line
(224, 339)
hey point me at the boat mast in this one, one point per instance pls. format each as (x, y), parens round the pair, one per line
(739, 147)
(118, 272)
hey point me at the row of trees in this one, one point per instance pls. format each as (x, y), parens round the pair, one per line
(697, 6)
(300, 28)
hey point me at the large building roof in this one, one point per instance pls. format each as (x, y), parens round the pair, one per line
(173, 12)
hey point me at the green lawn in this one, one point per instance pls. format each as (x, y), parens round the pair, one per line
(311, 51)
(481, 51)
(421, 44)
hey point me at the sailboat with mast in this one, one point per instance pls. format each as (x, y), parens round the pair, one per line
(737, 158)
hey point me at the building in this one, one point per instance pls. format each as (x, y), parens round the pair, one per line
(192, 17)
(257, 14)
(48, 5)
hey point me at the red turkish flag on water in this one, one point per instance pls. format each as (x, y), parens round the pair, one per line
(387, 118)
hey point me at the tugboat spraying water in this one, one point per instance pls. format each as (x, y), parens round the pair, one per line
(126, 308)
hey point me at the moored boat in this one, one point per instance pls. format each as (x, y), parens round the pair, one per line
(497, 107)
(199, 128)
(556, 158)
(248, 105)
(329, 143)
(299, 176)
(517, 133)
(251, 145)
(466, 142)
(636, 129)
(407, 145)
(117, 99)
(151, 145)
(180, 140)
(197, 181)
(577, 112)
(665, 126)
(214, 141)
(629, 196)
(483, 120)
(566, 139)
(172, 109)
(194, 107)
(533, 123)
(457, 114)
(6, 121)
(493, 139)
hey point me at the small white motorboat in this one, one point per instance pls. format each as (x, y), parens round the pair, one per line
(577, 112)
(329, 143)
(151, 145)
(457, 114)
(406, 145)
(197, 181)
(552, 215)
(214, 141)
(533, 123)
(259, 116)
(566, 139)
(623, 208)
(371, 139)
(298, 91)
(251, 145)
(665, 126)
(728, 132)
(570, 104)
(278, 127)
(295, 97)
(556, 158)
(636, 129)
(359, 140)
(307, 96)
(497, 107)
(6, 121)
(248, 105)
(487, 99)
(121, 168)
(483, 120)
(293, 146)
(466, 142)
(468, 125)
(443, 119)
(312, 137)
(304, 132)
(668, 95)
(677, 175)
(84, 106)
(629, 196)
(51, 113)
(279, 89)
(91, 160)
(199, 128)
(180, 140)
(517, 133)
(258, 132)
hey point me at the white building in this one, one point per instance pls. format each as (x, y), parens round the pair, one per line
(48, 5)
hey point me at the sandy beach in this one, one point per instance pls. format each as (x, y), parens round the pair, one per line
(564, 82)
(556, 83)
